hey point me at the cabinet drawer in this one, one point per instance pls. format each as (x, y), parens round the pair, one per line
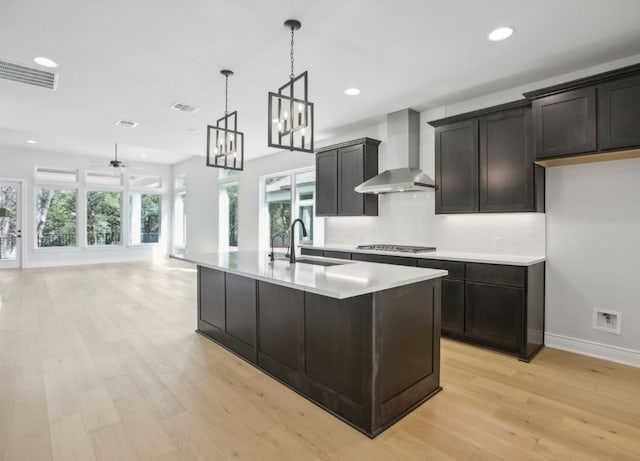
(456, 269)
(399, 260)
(514, 276)
(337, 254)
(311, 252)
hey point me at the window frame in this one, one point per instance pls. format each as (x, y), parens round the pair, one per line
(223, 184)
(264, 243)
(141, 190)
(61, 186)
(123, 231)
(182, 191)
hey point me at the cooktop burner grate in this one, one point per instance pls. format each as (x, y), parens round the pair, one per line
(398, 248)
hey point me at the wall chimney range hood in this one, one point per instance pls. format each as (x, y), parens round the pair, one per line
(403, 141)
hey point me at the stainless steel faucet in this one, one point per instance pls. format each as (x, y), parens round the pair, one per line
(292, 247)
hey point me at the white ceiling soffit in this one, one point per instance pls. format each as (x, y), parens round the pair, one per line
(28, 75)
(127, 60)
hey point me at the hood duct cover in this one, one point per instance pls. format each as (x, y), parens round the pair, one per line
(403, 141)
(28, 75)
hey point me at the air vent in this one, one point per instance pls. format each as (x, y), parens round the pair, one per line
(185, 107)
(126, 123)
(28, 75)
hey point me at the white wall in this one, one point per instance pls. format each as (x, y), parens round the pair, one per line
(20, 163)
(593, 250)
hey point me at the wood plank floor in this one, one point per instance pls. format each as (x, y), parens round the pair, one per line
(102, 363)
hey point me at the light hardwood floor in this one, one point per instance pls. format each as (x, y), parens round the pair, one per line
(102, 363)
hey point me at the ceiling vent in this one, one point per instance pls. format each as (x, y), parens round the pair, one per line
(185, 107)
(126, 123)
(28, 75)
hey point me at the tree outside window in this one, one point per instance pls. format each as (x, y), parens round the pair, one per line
(228, 217)
(104, 218)
(145, 218)
(56, 217)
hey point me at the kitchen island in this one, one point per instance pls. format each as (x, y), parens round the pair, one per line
(359, 339)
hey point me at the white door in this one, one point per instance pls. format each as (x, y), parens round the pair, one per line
(10, 225)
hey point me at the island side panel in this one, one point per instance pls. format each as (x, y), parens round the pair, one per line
(338, 361)
(211, 301)
(406, 349)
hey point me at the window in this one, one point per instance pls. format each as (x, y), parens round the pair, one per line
(228, 216)
(180, 215)
(104, 218)
(54, 175)
(286, 198)
(144, 214)
(56, 217)
(104, 179)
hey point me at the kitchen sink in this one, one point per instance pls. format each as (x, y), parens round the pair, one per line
(318, 262)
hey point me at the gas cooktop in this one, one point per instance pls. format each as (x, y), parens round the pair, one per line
(398, 248)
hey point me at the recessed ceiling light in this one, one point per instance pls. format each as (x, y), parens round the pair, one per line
(501, 33)
(45, 62)
(32, 141)
(143, 155)
(191, 130)
(351, 91)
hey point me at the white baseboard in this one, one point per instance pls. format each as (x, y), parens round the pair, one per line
(593, 349)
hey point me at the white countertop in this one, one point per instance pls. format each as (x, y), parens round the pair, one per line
(350, 278)
(487, 258)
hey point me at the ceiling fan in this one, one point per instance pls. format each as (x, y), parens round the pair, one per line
(115, 164)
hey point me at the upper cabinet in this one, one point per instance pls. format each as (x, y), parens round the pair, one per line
(593, 115)
(484, 162)
(339, 169)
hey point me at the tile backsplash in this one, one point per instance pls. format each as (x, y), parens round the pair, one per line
(408, 218)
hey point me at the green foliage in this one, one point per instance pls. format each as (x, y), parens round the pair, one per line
(150, 217)
(103, 218)
(232, 194)
(280, 220)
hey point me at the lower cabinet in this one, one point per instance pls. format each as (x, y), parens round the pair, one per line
(367, 359)
(494, 315)
(227, 310)
(452, 306)
(492, 305)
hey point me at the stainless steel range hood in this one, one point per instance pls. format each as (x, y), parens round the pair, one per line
(403, 141)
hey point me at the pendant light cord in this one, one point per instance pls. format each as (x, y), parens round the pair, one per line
(226, 94)
(292, 74)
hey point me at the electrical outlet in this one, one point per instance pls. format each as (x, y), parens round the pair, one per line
(607, 320)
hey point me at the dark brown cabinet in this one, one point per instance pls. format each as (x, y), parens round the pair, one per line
(327, 183)
(509, 178)
(227, 310)
(457, 167)
(452, 294)
(485, 162)
(589, 118)
(368, 359)
(494, 315)
(565, 123)
(493, 305)
(619, 113)
(339, 169)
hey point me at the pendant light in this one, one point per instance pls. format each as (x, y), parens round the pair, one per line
(290, 112)
(225, 144)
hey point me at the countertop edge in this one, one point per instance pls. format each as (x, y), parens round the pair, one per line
(482, 258)
(435, 273)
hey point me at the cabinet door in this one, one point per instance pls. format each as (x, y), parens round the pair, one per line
(565, 123)
(619, 113)
(457, 167)
(281, 332)
(350, 174)
(327, 183)
(494, 315)
(212, 297)
(453, 306)
(506, 162)
(241, 308)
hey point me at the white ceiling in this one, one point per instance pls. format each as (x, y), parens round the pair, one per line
(133, 59)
